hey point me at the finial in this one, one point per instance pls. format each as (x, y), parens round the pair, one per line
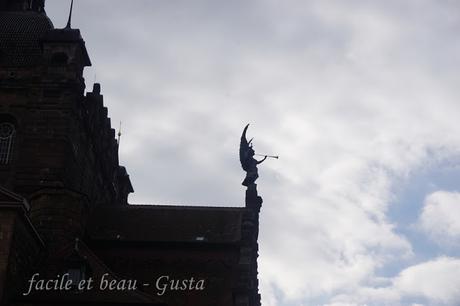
(119, 135)
(97, 88)
(69, 21)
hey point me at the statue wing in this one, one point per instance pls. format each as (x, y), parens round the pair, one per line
(244, 149)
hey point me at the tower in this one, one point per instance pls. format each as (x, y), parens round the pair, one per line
(57, 148)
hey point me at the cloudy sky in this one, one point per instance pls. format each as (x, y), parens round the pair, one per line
(361, 100)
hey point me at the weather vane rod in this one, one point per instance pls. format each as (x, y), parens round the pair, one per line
(69, 21)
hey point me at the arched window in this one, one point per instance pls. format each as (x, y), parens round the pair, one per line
(7, 134)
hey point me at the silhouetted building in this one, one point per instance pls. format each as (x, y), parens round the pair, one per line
(63, 197)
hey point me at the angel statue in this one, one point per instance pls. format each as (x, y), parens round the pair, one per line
(248, 162)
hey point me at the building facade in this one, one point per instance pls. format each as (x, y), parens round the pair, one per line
(67, 233)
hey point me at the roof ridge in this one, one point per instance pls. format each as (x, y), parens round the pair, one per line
(181, 206)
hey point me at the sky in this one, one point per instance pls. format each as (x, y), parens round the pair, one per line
(360, 99)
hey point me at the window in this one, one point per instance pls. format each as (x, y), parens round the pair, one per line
(59, 58)
(76, 274)
(7, 134)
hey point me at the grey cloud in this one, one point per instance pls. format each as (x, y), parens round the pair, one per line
(354, 96)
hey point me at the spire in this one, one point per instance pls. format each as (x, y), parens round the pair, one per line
(69, 21)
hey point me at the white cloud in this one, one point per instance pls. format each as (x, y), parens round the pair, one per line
(433, 282)
(437, 280)
(440, 217)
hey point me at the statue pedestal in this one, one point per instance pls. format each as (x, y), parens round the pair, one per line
(253, 200)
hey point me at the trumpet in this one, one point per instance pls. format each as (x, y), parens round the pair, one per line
(271, 156)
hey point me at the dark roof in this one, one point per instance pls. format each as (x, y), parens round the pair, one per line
(67, 35)
(161, 223)
(63, 35)
(20, 34)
